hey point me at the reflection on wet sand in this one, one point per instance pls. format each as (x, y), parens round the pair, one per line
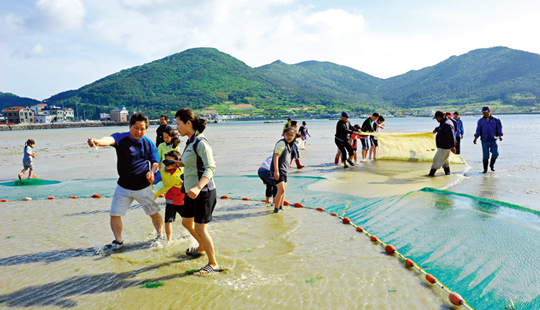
(296, 258)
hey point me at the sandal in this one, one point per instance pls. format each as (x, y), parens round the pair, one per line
(193, 252)
(114, 245)
(209, 269)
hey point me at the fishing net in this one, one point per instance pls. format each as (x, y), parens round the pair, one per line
(410, 147)
(40, 189)
(488, 251)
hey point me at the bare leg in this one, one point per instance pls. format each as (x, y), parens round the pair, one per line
(338, 155)
(168, 231)
(280, 196)
(188, 223)
(116, 226)
(364, 155)
(30, 173)
(157, 220)
(208, 244)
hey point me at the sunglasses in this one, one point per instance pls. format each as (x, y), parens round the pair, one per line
(168, 162)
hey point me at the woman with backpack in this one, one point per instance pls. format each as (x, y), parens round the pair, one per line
(199, 187)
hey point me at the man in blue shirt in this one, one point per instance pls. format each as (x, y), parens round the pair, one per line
(488, 129)
(137, 161)
(459, 132)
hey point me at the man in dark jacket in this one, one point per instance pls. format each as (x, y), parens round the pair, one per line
(343, 129)
(163, 119)
(446, 143)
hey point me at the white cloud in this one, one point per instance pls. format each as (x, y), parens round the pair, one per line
(381, 40)
(37, 50)
(59, 14)
(10, 24)
(142, 3)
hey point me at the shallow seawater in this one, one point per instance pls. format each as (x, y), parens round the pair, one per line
(298, 258)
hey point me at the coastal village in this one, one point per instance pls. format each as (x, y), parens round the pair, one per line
(42, 113)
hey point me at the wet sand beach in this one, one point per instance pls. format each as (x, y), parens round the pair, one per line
(299, 258)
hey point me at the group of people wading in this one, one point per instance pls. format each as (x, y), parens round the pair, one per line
(190, 191)
(188, 182)
(347, 137)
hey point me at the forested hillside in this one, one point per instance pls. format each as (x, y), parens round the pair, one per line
(9, 100)
(205, 78)
(483, 75)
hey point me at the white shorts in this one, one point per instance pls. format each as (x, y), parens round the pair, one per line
(441, 159)
(123, 198)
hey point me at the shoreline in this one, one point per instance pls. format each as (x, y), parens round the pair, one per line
(156, 122)
(60, 125)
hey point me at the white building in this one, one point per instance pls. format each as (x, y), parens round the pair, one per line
(69, 114)
(56, 113)
(105, 117)
(42, 119)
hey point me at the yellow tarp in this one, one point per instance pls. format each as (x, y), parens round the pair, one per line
(409, 146)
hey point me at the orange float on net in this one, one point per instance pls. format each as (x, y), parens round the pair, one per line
(50, 198)
(346, 220)
(3, 200)
(162, 195)
(286, 203)
(373, 238)
(360, 229)
(73, 197)
(390, 249)
(456, 299)
(224, 197)
(96, 196)
(298, 205)
(245, 198)
(409, 262)
(334, 214)
(431, 279)
(320, 209)
(27, 199)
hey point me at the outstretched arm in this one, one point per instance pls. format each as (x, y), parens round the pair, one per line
(104, 141)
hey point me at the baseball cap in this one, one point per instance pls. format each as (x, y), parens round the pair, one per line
(448, 113)
(345, 114)
(486, 109)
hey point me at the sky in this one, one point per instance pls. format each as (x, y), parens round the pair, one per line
(51, 46)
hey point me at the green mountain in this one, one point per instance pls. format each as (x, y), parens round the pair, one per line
(494, 74)
(205, 78)
(196, 78)
(9, 100)
(324, 83)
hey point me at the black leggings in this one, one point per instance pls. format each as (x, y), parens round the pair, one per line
(342, 146)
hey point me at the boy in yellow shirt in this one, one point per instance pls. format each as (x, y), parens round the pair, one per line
(171, 176)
